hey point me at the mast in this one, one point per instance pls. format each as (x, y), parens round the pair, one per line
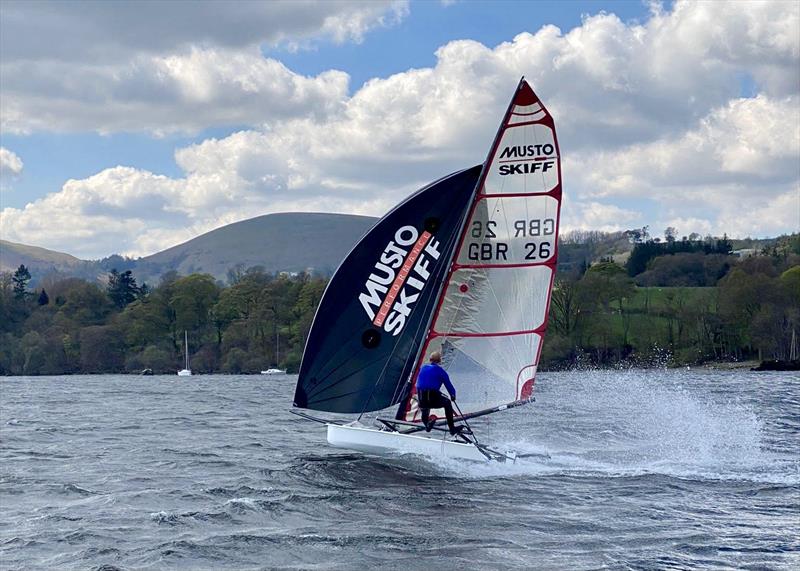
(186, 348)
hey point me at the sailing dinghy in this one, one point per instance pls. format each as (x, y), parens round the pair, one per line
(464, 266)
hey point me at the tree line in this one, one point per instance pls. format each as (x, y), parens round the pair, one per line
(718, 308)
(70, 325)
(602, 316)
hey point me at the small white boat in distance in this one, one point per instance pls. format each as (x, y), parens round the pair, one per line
(274, 372)
(186, 371)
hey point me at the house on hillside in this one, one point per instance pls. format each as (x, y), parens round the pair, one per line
(746, 252)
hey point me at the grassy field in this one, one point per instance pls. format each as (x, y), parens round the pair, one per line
(655, 320)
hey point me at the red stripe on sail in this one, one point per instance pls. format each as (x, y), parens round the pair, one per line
(551, 261)
(538, 331)
(401, 277)
(528, 160)
(555, 193)
(542, 121)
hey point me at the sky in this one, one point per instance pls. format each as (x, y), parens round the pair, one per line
(129, 127)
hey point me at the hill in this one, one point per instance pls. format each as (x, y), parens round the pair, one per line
(38, 260)
(291, 242)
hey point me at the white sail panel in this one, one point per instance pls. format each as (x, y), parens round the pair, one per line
(526, 161)
(511, 230)
(494, 300)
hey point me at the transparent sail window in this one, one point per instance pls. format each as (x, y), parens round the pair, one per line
(495, 300)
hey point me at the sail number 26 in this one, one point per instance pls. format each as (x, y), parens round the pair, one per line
(492, 250)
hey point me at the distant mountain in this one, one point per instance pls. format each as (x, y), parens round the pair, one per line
(38, 260)
(292, 242)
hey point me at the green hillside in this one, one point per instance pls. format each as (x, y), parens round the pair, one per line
(290, 242)
(36, 259)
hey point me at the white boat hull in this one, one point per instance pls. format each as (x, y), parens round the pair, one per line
(184, 373)
(385, 443)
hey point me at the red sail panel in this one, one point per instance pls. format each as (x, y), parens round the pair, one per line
(492, 311)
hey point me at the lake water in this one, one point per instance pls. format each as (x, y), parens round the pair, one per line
(649, 469)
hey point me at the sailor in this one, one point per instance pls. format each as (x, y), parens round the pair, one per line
(429, 381)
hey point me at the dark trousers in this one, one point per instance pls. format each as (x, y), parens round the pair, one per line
(435, 399)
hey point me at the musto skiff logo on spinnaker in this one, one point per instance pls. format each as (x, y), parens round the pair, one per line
(398, 278)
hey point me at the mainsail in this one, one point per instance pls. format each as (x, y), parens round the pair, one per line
(372, 317)
(465, 266)
(492, 312)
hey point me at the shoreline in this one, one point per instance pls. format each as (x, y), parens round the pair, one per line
(748, 365)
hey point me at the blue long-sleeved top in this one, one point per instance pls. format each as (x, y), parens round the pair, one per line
(431, 377)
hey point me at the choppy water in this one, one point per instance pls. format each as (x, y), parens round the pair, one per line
(649, 470)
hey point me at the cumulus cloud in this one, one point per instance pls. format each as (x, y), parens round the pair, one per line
(591, 215)
(162, 94)
(747, 142)
(652, 127)
(159, 68)
(611, 83)
(734, 166)
(107, 32)
(10, 163)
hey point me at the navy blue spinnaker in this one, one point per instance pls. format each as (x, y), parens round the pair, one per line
(373, 316)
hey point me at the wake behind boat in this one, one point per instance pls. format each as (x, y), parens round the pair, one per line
(464, 267)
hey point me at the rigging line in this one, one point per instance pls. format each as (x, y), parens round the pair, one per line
(460, 301)
(464, 420)
(338, 396)
(431, 299)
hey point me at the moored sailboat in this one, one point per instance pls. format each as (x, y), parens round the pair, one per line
(276, 370)
(186, 371)
(463, 267)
